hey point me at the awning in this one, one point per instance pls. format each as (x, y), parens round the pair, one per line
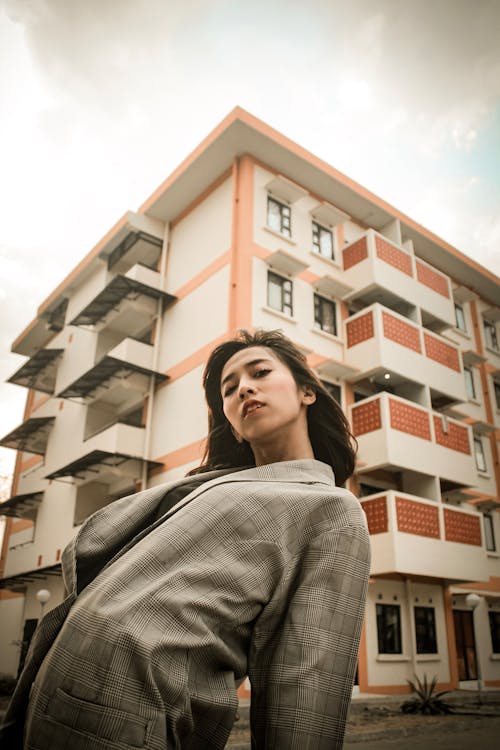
(94, 462)
(118, 288)
(30, 436)
(39, 372)
(106, 369)
(20, 505)
(20, 581)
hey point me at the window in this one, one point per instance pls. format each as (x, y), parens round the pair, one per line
(322, 241)
(469, 383)
(490, 332)
(460, 317)
(279, 293)
(496, 386)
(389, 628)
(425, 630)
(479, 450)
(495, 631)
(333, 390)
(489, 533)
(278, 216)
(325, 317)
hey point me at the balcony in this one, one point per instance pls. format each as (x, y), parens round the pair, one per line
(31, 436)
(382, 271)
(122, 375)
(112, 454)
(127, 304)
(39, 372)
(381, 341)
(413, 536)
(395, 433)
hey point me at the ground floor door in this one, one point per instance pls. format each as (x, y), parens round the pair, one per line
(466, 647)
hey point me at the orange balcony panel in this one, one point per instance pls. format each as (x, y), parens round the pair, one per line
(360, 329)
(366, 417)
(390, 254)
(459, 527)
(355, 253)
(442, 352)
(417, 518)
(401, 332)
(410, 419)
(376, 515)
(432, 279)
(451, 435)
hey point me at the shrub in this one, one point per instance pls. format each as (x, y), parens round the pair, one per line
(426, 701)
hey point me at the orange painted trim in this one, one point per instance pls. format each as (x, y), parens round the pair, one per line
(243, 692)
(492, 683)
(260, 252)
(492, 585)
(6, 594)
(41, 401)
(194, 360)
(309, 277)
(450, 638)
(201, 197)
(21, 524)
(179, 457)
(363, 661)
(30, 462)
(214, 267)
(240, 281)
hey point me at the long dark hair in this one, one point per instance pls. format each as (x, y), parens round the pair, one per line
(329, 431)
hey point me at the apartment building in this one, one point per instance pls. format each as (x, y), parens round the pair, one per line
(250, 231)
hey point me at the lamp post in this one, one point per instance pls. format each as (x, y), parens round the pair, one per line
(43, 596)
(473, 601)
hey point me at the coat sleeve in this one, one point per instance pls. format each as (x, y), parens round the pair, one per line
(302, 667)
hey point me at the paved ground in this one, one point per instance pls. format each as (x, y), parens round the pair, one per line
(376, 723)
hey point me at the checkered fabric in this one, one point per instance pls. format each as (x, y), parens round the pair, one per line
(260, 572)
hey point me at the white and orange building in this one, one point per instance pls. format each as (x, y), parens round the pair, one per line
(250, 231)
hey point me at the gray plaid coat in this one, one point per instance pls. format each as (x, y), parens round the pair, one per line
(260, 572)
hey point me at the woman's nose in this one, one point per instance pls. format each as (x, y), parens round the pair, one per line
(245, 388)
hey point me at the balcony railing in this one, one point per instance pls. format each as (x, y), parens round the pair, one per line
(379, 269)
(379, 339)
(393, 432)
(414, 536)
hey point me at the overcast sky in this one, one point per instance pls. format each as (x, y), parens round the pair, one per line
(101, 99)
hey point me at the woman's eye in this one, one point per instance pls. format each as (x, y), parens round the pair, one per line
(261, 373)
(229, 390)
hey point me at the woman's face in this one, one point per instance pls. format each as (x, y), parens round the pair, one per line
(265, 406)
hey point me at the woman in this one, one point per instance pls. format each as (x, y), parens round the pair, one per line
(256, 563)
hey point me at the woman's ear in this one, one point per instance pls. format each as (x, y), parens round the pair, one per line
(308, 396)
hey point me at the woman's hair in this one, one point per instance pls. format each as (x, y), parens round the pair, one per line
(329, 432)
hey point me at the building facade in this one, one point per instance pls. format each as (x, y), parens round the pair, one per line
(253, 231)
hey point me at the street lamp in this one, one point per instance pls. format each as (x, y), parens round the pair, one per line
(473, 601)
(43, 596)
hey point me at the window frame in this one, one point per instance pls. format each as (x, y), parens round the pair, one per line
(383, 628)
(489, 533)
(496, 391)
(470, 386)
(478, 442)
(494, 622)
(285, 217)
(283, 282)
(460, 318)
(319, 302)
(492, 337)
(425, 642)
(317, 229)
